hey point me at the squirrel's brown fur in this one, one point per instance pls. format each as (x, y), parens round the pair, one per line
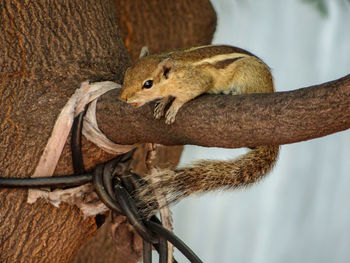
(206, 176)
(183, 75)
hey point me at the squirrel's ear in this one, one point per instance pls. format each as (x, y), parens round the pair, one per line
(144, 52)
(166, 67)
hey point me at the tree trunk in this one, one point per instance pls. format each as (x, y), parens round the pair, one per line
(47, 50)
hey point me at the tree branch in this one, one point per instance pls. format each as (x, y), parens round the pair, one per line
(234, 121)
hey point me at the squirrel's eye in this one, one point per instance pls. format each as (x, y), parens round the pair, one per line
(147, 84)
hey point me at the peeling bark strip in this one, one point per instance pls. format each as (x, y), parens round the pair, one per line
(234, 121)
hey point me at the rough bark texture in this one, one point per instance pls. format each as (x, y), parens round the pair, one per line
(165, 25)
(47, 49)
(102, 248)
(236, 121)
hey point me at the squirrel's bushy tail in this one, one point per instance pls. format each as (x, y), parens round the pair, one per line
(206, 176)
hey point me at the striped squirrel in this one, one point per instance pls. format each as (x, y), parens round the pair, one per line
(179, 76)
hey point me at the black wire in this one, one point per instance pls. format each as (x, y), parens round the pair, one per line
(77, 156)
(163, 250)
(101, 192)
(129, 181)
(157, 221)
(107, 178)
(55, 181)
(177, 242)
(146, 251)
(130, 212)
(80, 176)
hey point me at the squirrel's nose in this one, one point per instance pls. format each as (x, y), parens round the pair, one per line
(122, 97)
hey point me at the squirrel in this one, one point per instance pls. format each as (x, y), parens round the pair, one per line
(179, 76)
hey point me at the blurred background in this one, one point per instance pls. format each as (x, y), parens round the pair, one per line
(301, 211)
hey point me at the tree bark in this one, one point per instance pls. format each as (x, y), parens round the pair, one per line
(165, 25)
(47, 50)
(235, 121)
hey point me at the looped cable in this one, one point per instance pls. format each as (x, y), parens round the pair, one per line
(150, 230)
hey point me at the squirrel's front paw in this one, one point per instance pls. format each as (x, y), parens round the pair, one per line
(159, 109)
(172, 111)
(170, 116)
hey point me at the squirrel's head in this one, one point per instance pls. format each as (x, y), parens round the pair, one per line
(147, 80)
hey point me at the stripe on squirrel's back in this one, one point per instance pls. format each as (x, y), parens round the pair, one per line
(224, 63)
(198, 53)
(222, 60)
(213, 50)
